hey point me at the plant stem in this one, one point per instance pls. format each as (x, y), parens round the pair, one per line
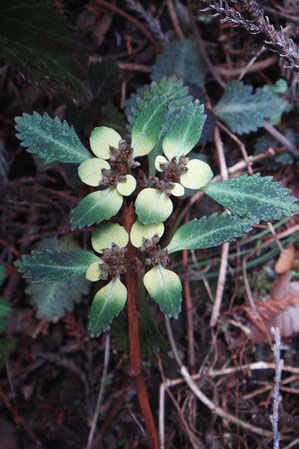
(134, 342)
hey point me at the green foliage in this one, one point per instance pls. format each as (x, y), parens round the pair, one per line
(172, 88)
(185, 131)
(282, 106)
(242, 111)
(50, 139)
(180, 58)
(52, 265)
(253, 196)
(147, 125)
(96, 207)
(54, 299)
(165, 287)
(207, 232)
(35, 39)
(107, 304)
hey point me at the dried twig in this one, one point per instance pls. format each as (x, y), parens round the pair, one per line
(276, 396)
(203, 398)
(174, 19)
(225, 246)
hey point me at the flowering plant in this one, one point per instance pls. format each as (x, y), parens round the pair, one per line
(163, 120)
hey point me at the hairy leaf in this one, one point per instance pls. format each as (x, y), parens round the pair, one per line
(207, 232)
(185, 131)
(165, 287)
(54, 299)
(52, 265)
(242, 111)
(180, 58)
(171, 88)
(253, 197)
(107, 304)
(147, 126)
(35, 39)
(96, 207)
(50, 139)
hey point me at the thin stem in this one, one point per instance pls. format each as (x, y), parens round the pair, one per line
(133, 326)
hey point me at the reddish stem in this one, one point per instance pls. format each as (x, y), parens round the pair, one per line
(134, 342)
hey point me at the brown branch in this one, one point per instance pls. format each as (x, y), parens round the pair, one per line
(133, 326)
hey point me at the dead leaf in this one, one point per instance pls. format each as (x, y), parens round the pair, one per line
(285, 260)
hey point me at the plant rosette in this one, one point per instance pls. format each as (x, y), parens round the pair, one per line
(153, 204)
(163, 285)
(106, 144)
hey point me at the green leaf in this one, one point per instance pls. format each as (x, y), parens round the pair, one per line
(180, 58)
(253, 197)
(54, 299)
(107, 304)
(96, 207)
(153, 206)
(207, 232)
(185, 131)
(242, 111)
(165, 287)
(50, 139)
(147, 126)
(172, 88)
(38, 41)
(281, 106)
(52, 265)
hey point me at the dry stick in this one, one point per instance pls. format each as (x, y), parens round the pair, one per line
(251, 62)
(204, 399)
(101, 393)
(256, 67)
(202, 48)
(133, 20)
(241, 145)
(276, 396)
(164, 387)
(225, 246)
(133, 326)
(175, 21)
(189, 312)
